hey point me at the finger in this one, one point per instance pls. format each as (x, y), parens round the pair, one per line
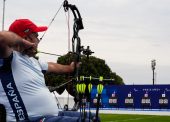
(28, 44)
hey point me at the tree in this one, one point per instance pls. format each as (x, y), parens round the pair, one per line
(91, 66)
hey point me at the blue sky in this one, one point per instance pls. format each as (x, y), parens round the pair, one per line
(128, 34)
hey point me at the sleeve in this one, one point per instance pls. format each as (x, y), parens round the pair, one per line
(43, 65)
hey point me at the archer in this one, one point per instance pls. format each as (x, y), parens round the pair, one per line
(22, 88)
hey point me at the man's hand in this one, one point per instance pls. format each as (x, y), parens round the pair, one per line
(23, 45)
(73, 65)
(13, 41)
(10, 41)
(28, 44)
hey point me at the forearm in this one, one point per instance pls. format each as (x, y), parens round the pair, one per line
(59, 69)
(7, 41)
(13, 41)
(9, 38)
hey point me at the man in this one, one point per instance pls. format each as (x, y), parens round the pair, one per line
(22, 85)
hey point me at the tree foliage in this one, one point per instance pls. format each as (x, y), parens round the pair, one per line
(91, 66)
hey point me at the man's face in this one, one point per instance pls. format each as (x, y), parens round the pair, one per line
(33, 37)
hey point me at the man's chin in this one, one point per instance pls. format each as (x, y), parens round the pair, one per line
(30, 53)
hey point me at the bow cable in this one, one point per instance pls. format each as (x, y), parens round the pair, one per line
(3, 16)
(52, 20)
(68, 26)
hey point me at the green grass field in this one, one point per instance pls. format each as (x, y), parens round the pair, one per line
(133, 118)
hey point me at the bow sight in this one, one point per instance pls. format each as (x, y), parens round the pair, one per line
(87, 51)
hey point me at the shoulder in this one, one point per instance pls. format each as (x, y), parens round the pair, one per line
(17, 54)
(42, 64)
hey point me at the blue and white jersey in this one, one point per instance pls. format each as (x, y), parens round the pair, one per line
(29, 80)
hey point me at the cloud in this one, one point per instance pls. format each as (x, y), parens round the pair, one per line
(126, 33)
